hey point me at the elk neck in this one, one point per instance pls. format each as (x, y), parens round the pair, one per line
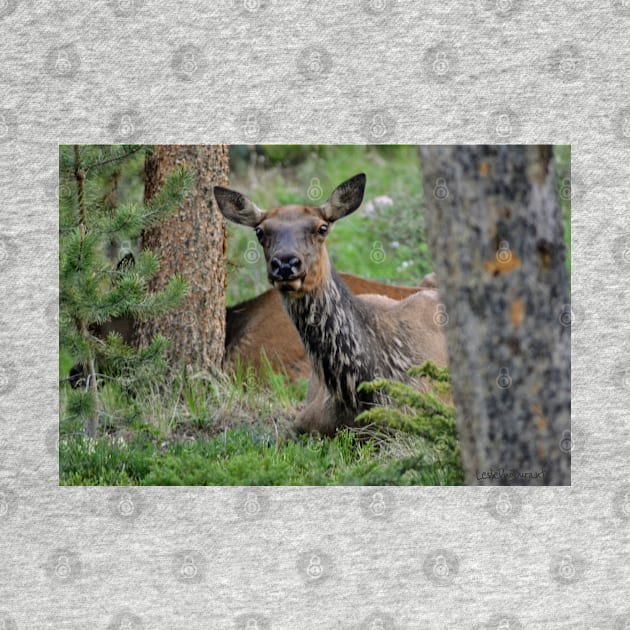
(343, 339)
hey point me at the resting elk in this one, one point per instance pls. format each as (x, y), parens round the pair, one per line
(260, 327)
(349, 339)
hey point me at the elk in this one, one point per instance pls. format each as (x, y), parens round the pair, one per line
(349, 339)
(261, 327)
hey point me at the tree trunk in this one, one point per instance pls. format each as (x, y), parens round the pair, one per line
(191, 244)
(497, 241)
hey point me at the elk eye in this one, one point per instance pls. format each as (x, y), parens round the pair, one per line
(322, 230)
(260, 235)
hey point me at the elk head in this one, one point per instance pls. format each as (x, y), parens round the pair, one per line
(293, 237)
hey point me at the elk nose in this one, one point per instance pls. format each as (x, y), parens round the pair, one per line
(285, 267)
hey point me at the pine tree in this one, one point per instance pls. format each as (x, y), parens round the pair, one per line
(93, 288)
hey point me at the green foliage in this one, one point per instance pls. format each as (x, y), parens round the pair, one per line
(104, 462)
(562, 159)
(99, 212)
(244, 456)
(424, 415)
(233, 429)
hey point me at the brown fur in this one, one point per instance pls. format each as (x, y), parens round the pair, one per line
(261, 325)
(322, 414)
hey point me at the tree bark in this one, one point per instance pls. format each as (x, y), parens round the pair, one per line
(192, 244)
(497, 241)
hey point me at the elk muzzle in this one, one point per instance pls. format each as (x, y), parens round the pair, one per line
(286, 272)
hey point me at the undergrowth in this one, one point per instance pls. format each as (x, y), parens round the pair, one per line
(235, 430)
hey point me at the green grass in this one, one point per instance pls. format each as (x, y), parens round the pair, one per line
(250, 457)
(233, 430)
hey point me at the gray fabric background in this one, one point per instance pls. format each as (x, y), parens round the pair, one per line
(330, 72)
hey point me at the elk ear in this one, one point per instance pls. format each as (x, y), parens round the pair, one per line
(346, 198)
(237, 207)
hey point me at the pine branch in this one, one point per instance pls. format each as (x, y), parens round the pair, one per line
(125, 152)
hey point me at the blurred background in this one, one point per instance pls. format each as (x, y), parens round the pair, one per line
(384, 240)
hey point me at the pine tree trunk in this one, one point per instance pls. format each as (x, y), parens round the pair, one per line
(192, 244)
(497, 241)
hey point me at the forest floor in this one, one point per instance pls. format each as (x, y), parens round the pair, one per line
(236, 431)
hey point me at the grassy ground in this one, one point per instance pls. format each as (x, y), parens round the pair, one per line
(235, 431)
